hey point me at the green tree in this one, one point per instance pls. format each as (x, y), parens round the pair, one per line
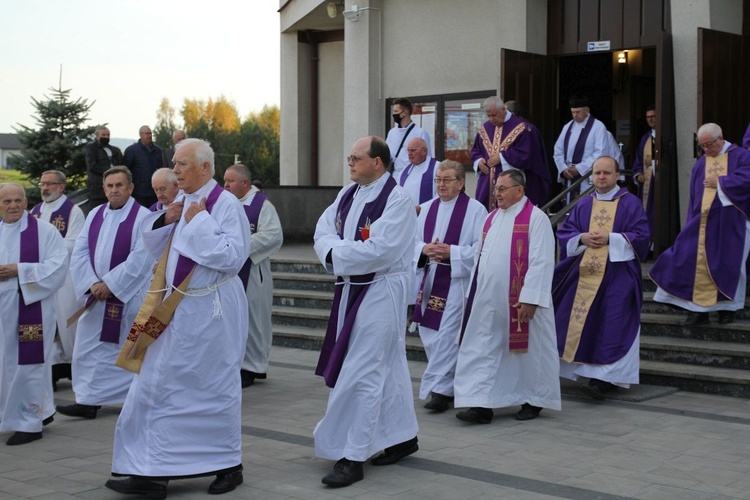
(58, 142)
(165, 124)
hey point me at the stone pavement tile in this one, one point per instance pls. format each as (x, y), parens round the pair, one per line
(23, 490)
(55, 496)
(608, 484)
(62, 485)
(660, 492)
(41, 470)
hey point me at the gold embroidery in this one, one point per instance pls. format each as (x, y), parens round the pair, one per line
(436, 304)
(114, 312)
(29, 333)
(647, 169)
(59, 223)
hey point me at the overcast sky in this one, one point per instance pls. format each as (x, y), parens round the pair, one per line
(128, 54)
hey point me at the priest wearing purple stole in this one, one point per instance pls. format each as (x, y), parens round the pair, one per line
(418, 178)
(508, 353)
(33, 266)
(597, 288)
(366, 238)
(507, 142)
(704, 270)
(644, 166)
(267, 238)
(448, 233)
(183, 414)
(61, 212)
(111, 272)
(164, 183)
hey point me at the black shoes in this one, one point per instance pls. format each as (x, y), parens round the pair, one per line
(248, 377)
(528, 412)
(394, 453)
(476, 415)
(344, 473)
(726, 317)
(23, 438)
(438, 403)
(598, 388)
(225, 483)
(697, 318)
(48, 420)
(138, 486)
(76, 410)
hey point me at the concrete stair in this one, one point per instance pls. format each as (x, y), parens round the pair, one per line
(709, 358)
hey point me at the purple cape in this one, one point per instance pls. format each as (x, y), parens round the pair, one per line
(746, 138)
(638, 169)
(674, 270)
(618, 300)
(526, 153)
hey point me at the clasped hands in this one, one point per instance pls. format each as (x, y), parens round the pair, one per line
(570, 173)
(485, 165)
(595, 239)
(100, 291)
(437, 251)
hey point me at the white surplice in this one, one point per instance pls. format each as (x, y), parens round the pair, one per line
(26, 390)
(413, 182)
(441, 345)
(182, 415)
(372, 405)
(597, 144)
(66, 302)
(488, 375)
(263, 244)
(96, 379)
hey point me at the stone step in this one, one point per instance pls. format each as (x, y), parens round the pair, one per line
(312, 299)
(312, 339)
(696, 352)
(707, 379)
(670, 325)
(303, 281)
(305, 266)
(300, 316)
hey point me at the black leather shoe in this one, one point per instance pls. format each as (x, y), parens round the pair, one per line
(48, 420)
(528, 412)
(726, 317)
(696, 318)
(438, 403)
(138, 486)
(225, 483)
(476, 415)
(598, 388)
(246, 379)
(23, 438)
(76, 410)
(344, 473)
(394, 453)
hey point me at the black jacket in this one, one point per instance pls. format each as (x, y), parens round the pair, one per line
(98, 162)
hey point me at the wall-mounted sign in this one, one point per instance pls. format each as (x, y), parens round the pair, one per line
(597, 46)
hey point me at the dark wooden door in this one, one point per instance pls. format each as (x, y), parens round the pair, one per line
(666, 197)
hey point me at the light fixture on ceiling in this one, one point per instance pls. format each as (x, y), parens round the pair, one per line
(332, 9)
(622, 57)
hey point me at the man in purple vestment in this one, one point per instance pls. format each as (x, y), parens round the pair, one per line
(507, 142)
(746, 138)
(164, 182)
(596, 288)
(644, 166)
(704, 270)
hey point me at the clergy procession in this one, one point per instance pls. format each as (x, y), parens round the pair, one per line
(165, 311)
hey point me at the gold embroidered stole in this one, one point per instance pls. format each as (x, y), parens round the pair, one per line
(647, 169)
(497, 146)
(705, 291)
(591, 273)
(153, 316)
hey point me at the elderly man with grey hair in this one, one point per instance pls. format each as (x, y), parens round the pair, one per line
(704, 270)
(182, 416)
(508, 142)
(164, 182)
(33, 266)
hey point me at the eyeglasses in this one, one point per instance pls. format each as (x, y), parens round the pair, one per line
(355, 159)
(707, 145)
(45, 184)
(502, 189)
(445, 180)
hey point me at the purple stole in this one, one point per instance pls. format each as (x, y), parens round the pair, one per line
(441, 284)
(581, 144)
(253, 213)
(428, 179)
(30, 321)
(518, 338)
(185, 264)
(334, 349)
(113, 307)
(59, 217)
(156, 207)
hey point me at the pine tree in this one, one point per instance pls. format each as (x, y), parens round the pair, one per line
(59, 141)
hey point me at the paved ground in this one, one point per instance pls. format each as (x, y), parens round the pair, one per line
(679, 446)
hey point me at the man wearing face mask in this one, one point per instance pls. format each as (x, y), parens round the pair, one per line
(405, 130)
(100, 157)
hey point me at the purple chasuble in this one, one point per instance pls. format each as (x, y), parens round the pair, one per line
(674, 270)
(334, 348)
(30, 321)
(59, 217)
(428, 179)
(185, 264)
(614, 316)
(441, 284)
(253, 213)
(526, 153)
(113, 307)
